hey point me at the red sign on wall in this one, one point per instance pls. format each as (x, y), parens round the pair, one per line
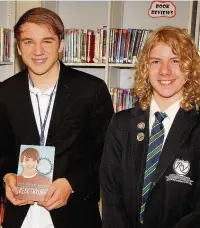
(162, 9)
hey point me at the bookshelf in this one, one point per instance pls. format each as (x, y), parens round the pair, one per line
(196, 23)
(93, 15)
(7, 12)
(135, 15)
(116, 14)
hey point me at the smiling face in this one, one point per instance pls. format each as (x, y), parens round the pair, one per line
(29, 164)
(165, 75)
(39, 49)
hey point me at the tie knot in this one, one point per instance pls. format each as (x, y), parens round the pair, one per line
(160, 116)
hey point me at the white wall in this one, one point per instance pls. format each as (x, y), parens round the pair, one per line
(135, 15)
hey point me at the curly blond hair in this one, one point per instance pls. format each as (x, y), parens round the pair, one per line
(184, 47)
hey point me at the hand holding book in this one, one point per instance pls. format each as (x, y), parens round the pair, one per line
(57, 194)
(12, 191)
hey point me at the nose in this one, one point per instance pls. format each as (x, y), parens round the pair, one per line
(165, 69)
(38, 49)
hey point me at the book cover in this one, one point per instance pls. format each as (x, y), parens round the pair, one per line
(35, 171)
(90, 46)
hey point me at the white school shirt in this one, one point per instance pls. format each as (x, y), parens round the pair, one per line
(37, 216)
(171, 112)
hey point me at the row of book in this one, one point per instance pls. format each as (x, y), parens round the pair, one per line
(85, 45)
(126, 44)
(5, 44)
(89, 46)
(122, 98)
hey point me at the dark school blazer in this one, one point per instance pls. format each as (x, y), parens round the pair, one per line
(174, 201)
(80, 117)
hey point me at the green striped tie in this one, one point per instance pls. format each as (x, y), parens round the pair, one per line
(153, 155)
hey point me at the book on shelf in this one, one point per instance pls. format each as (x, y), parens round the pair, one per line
(85, 45)
(89, 46)
(122, 98)
(126, 44)
(5, 44)
(132, 45)
(119, 46)
(35, 171)
(137, 42)
(115, 45)
(104, 45)
(96, 45)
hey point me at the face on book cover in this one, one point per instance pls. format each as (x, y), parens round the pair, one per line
(29, 166)
(165, 74)
(39, 49)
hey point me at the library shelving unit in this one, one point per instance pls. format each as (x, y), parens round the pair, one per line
(7, 12)
(196, 23)
(116, 14)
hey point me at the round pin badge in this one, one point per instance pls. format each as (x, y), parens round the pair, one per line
(140, 136)
(141, 125)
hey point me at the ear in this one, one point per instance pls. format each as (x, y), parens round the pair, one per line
(61, 46)
(18, 49)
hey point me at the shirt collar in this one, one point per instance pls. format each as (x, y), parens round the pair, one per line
(170, 111)
(38, 91)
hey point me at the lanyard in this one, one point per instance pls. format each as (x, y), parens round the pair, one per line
(43, 125)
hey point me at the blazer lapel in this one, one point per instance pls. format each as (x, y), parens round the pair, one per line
(140, 138)
(181, 127)
(24, 110)
(62, 103)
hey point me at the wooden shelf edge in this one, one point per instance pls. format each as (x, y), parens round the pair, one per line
(122, 65)
(100, 65)
(86, 64)
(6, 63)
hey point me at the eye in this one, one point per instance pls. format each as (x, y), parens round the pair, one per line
(155, 61)
(28, 42)
(47, 41)
(175, 61)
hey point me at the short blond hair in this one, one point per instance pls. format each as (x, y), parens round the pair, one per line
(184, 47)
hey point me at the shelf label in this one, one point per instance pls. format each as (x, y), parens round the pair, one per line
(162, 9)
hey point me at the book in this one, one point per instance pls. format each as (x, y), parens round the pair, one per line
(96, 46)
(2, 209)
(35, 171)
(90, 45)
(132, 45)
